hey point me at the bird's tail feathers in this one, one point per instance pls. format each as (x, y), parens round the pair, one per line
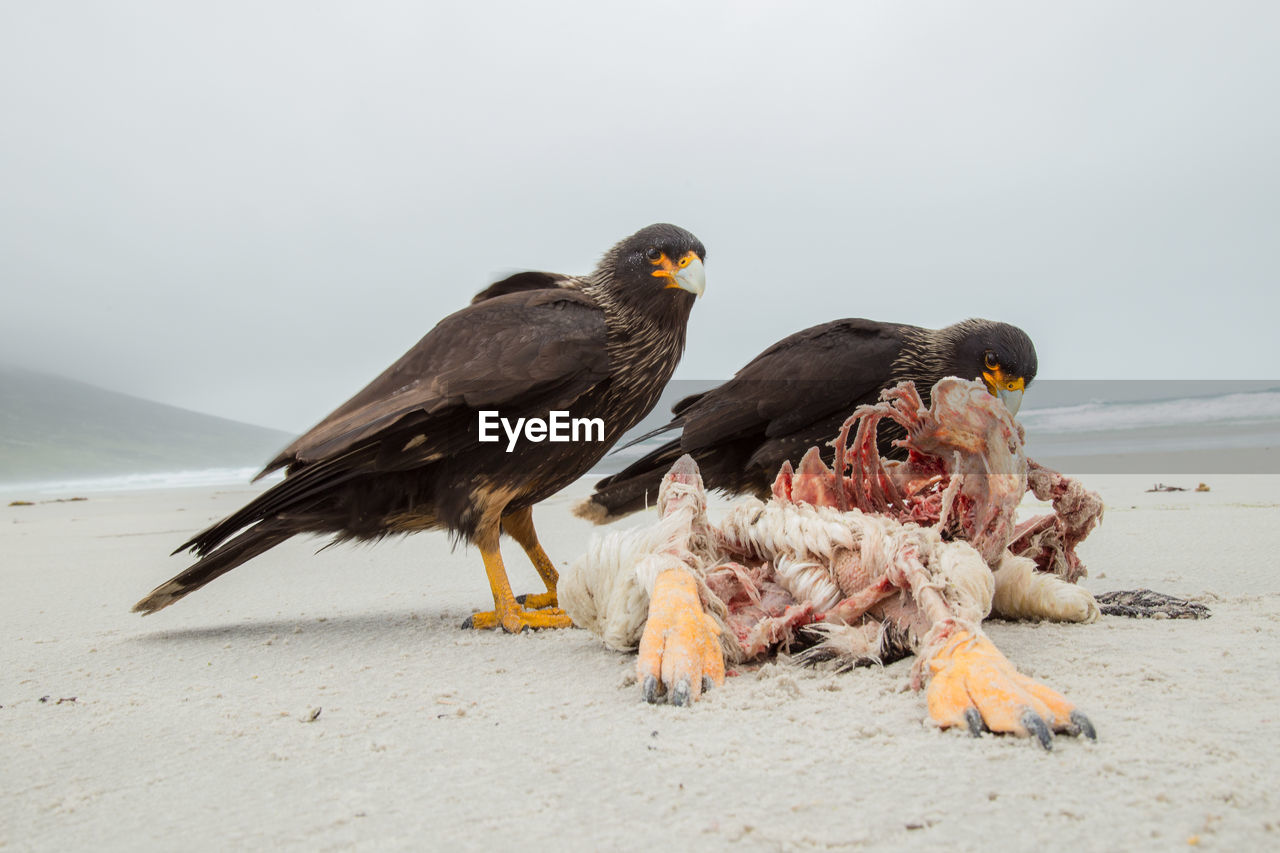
(678, 423)
(249, 544)
(295, 494)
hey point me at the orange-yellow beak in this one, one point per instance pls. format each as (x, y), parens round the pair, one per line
(687, 273)
(1005, 386)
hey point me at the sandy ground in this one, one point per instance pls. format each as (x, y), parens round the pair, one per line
(193, 728)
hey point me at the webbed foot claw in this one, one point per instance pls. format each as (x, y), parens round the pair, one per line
(1080, 725)
(1032, 723)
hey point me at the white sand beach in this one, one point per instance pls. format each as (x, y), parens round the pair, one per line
(330, 701)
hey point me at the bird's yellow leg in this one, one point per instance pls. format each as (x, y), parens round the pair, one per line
(506, 613)
(680, 651)
(519, 525)
(974, 685)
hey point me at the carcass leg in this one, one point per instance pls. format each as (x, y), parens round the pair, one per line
(680, 651)
(974, 685)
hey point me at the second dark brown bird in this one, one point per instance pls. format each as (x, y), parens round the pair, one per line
(797, 393)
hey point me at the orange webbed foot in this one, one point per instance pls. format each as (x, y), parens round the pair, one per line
(974, 685)
(680, 653)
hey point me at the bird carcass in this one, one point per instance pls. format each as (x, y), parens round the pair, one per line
(868, 562)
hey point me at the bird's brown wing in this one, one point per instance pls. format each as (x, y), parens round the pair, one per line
(803, 379)
(511, 351)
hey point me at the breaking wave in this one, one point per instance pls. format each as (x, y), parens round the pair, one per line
(1242, 408)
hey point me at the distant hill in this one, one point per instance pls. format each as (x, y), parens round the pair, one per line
(52, 427)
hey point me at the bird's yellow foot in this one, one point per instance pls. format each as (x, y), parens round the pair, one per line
(975, 685)
(680, 652)
(538, 600)
(517, 619)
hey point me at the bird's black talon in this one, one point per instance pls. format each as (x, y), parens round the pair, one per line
(682, 694)
(650, 689)
(467, 623)
(1080, 723)
(974, 720)
(520, 599)
(707, 683)
(1037, 727)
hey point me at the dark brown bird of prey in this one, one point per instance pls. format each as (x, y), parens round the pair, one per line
(796, 395)
(405, 454)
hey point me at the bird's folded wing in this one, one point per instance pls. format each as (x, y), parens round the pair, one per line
(515, 350)
(822, 371)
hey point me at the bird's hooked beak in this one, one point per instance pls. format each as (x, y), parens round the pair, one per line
(1008, 388)
(687, 273)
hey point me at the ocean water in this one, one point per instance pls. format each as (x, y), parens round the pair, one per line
(1257, 407)
(1192, 427)
(137, 482)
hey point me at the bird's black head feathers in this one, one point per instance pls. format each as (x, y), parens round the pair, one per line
(634, 255)
(977, 345)
(657, 270)
(629, 266)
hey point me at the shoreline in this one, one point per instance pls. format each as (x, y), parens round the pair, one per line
(1208, 463)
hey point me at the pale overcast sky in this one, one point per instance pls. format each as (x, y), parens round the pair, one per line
(251, 208)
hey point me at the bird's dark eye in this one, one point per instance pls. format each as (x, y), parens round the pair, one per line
(653, 255)
(990, 360)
